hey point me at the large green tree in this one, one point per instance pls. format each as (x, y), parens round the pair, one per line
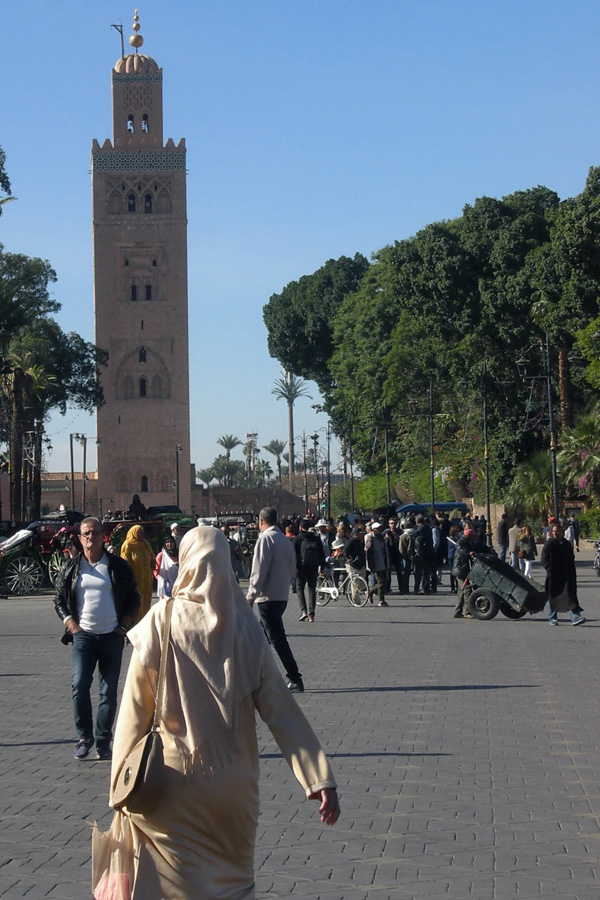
(299, 320)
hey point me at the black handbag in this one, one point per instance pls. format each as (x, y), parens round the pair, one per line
(141, 780)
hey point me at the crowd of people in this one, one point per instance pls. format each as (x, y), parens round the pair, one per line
(219, 670)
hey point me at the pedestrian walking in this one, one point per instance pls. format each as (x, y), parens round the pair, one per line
(273, 567)
(138, 553)
(199, 840)
(377, 560)
(166, 568)
(310, 560)
(558, 560)
(527, 550)
(96, 597)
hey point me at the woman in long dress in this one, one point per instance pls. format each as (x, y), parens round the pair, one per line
(138, 553)
(166, 568)
(198, 844)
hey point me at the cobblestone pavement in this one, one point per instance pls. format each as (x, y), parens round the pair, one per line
(466, 754)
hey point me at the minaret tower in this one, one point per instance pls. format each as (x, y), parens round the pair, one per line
(140, 295)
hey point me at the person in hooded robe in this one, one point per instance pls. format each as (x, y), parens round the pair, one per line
(198, 843)
(166, 568)
(138, 553)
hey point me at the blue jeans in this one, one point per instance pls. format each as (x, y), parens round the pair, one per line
(271, 618)
(89, 651)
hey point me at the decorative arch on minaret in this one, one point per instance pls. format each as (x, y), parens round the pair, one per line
(153, 372)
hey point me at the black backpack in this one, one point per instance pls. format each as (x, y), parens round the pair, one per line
(310, 558)
(420, 547)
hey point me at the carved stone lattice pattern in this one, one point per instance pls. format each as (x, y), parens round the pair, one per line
(115, 160)
(137, 97)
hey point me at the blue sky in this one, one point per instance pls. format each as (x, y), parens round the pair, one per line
(313, 130)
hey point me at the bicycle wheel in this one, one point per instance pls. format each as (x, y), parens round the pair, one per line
(357, 591)
(323, 597)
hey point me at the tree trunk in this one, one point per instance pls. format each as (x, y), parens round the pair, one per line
(16, 445)
(291, 436)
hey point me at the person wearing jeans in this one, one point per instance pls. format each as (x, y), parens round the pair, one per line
(97, 599)
(558, 560)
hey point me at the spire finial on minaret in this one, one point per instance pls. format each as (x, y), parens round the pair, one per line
(136, 40)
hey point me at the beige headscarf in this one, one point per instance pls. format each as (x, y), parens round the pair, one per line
(217, 643)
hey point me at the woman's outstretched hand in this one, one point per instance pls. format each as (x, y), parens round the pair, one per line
(329, 809)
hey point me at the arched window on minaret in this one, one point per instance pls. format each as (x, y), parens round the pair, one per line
(128, 387)
(131, 123)
(148, 292)
(143, 387)
(131, 203)
(148, 203)
(134, 292)
(142, 354)
(157, 387)
(145, 125)
(144, 484)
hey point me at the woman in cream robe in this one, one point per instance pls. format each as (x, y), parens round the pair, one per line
(138, 553)
(199, 842)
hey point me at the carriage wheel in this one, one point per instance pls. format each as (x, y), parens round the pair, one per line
(55, 564)
(23, 575)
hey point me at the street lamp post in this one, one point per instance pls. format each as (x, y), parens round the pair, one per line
(431, 448)
(178, 450)
(71, 436)
(522, 368)
(486, 456)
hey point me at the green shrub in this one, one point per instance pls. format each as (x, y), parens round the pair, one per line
(590, 523)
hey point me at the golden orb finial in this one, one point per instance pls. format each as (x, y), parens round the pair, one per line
(136, 40)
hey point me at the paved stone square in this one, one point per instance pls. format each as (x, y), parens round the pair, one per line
(466, 754)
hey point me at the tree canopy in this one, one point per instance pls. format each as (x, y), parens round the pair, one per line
(453, 306)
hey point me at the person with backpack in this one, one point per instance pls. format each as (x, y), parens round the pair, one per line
(310, 560)
(423, 557)
(406, 547)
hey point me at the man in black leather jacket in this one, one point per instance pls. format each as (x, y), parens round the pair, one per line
(97, 599)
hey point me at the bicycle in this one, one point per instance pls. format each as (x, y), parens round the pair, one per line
(596, 563)
(352, 585)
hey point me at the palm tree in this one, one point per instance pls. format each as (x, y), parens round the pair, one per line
(229, 442)
(289, 387)
(205, 475)
(580, 457)
(263, 471)
(276, 448)
(531, 490)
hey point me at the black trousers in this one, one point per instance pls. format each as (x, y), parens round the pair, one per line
(271, 618)
(307, 589)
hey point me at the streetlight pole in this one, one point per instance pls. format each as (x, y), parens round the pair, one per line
(486, 456)
(178, 450)
(305, 475)
(553, 447)
(328, 470)
(71, 436)
(431, 448)
(522, 368)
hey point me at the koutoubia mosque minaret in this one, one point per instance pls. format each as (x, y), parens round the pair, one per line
(140, 295)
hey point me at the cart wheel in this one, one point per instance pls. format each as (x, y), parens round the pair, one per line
(54, 565)
(23, 575)
(510, 612)
(483, 604)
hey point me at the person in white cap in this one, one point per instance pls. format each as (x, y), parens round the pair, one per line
(377, 560)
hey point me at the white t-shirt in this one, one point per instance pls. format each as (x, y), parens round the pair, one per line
(95, 601)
